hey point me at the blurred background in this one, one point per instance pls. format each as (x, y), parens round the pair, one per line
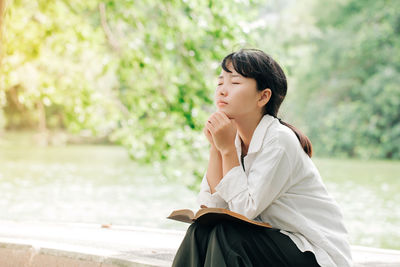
(102, 104)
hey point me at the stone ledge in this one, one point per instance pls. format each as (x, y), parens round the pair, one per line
(14, 254)
(375, 257)
(87, 245)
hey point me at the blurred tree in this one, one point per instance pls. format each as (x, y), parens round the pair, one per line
(2, 8)
(349, 93)
(141, 73)
(53, 67)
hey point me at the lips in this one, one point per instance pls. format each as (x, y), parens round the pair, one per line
(221, 102)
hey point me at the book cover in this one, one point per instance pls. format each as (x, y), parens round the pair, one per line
(212, 216)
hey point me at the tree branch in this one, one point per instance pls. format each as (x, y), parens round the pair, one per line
(112, 41)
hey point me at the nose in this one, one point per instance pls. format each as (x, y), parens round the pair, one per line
(222, 91)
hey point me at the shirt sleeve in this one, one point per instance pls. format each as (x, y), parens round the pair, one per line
(251, 194)
(210, 200)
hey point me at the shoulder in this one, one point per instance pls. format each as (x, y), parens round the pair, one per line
(281, 137)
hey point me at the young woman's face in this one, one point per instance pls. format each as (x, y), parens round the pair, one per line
(236, 95)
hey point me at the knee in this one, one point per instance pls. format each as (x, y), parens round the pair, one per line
(231, 232)
(221, 229)
(226, 227)
(191, 231)
(194, 227)
(225, 230)
(197, 230)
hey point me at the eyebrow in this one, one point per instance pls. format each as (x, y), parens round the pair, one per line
(232, 75)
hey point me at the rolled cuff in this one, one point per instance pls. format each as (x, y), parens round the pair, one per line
(210, 200)
(232, 184)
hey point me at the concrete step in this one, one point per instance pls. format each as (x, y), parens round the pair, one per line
(34, 244)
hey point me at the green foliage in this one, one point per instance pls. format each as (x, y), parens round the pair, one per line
(141, 73)
(350, 88)
(53, 67)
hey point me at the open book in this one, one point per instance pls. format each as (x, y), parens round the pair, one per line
(212, 216)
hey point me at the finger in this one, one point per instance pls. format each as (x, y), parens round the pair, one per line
(208, 136)
(211, 118)
(211, 115)
(207, 131)
(226, 119)
(214, 121)
(222, 117)
(210, 127)
(222, 114)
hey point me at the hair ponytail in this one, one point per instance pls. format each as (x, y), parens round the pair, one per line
(254, 63)
(303, 139)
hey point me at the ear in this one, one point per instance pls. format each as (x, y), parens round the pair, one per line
(264, 97)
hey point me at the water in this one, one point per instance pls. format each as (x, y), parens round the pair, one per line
(90, 184)
(100, 184)
(368, 193)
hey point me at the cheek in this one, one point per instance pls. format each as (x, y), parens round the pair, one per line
(245, 97)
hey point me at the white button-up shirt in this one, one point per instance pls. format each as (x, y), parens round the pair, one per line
(280, 185)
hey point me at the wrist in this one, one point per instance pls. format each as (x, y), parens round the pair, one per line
(214, 150)
(228, 151)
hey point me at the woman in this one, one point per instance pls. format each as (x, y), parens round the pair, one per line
(260, 167)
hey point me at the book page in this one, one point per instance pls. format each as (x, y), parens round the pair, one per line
(183, 215)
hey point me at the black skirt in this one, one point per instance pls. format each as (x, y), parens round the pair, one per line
(233, 244)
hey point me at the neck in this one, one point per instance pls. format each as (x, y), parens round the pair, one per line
(246, 126)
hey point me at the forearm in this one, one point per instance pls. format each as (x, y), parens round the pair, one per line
(214, 170)
(229, 160)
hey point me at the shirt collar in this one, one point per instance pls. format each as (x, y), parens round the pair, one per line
(258, 135)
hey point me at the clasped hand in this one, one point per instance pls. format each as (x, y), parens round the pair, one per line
(221, 132)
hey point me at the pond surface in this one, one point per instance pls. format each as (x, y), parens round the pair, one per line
(100, 184)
